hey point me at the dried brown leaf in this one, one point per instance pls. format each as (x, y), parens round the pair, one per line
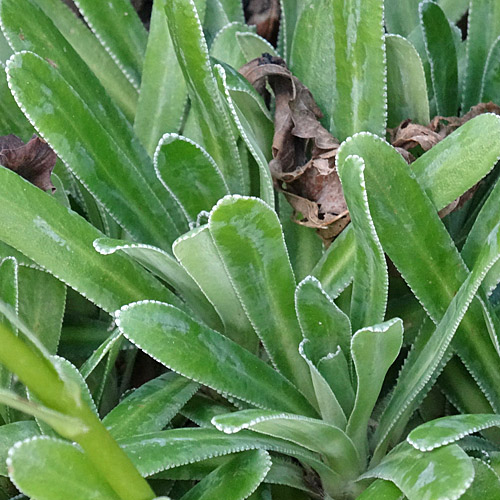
(34, 161)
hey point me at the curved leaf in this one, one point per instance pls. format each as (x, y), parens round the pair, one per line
(10, 434)
(195, 351)
(66, 469)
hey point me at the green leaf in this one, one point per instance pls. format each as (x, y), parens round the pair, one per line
(284, 471)
(443, 473)
(409, 214)
(65, 469)
(10, 434)
(444, 171)
(454, 9)
(442, 57)
(190, 174)
(163, 94)
(98, 355)
(195, 351)
(234, 480)
(150, 407)
(483, 30)
(381, 490)
(320, 319)
(164, 450)
(486, 484)
(446, 430)
(406, 85)
(103, 167)
(315, 435)
(42, 300)
(192, 54)
(61, 242)
(373, 351)
(246, 122)
(290, 13)
(359, 79)
(371, 281)
(401, 16)
(263, 279)
(491, 79)
(233, 9)
(225, 49)
(93, 53)
(253, 45)
(220, 292)
(120, 31)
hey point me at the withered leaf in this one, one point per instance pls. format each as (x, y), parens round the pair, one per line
(34, 161)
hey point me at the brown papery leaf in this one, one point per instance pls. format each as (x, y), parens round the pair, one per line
(303, 164)
(34, 161)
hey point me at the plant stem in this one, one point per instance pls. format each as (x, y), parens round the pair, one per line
(42, 379)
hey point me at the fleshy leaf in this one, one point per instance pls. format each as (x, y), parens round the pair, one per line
(10, 434)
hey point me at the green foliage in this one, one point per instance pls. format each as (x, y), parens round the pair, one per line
(271, 367)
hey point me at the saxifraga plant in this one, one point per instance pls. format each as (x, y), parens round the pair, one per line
(293, 370)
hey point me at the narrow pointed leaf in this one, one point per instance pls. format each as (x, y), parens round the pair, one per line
(371, 281)
(406, 85)
(93, 53)
(192, 54)
(120, 31)
(446, 430)
(190, 174)
(150, 407)
(234, 480)
(486, 484)
(263, 279)
(221, 293)
(195, 351)
(66, 469)
(443, 473)
(483, 30)
(442, 57)
(491, 80)
(101, 166)
(224, 48)
(61, 242)
(373, 350)
(314, 435)
(10, 434)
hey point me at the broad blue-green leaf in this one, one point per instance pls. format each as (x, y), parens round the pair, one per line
(225, 46)
(401, 16)
(423, 369)
(329, 407)
(320, 319)
(165, 267)
(442, 57)
(443, 473)
(253, 45)
(381, 490)
(190, 174)
(290, 13)
(446, 430)
(358, 84)
(163, 94)
(373, 351)
(315, 435)
(120, 31)
(42, 299)
(454, 9)
(150, 407)
(221, 293)
(483, 30)
(428, 255)
(213, 119)
(406, 85)
(103, 167)
(251, 129)
(371, 281)
(164, 450)
(9, 294)
(195, 351)
(233, 10)
(10, 434)
(234, 480)
(61, 241)
(93, 53)
(263, 279)
(65, 469)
